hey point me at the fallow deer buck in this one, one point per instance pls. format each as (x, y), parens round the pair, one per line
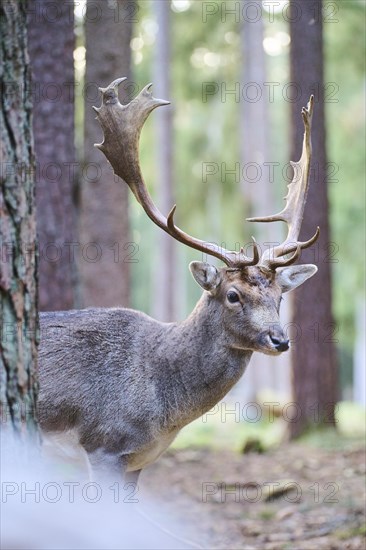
(123, 383)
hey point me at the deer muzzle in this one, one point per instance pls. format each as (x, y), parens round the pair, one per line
(279, 339)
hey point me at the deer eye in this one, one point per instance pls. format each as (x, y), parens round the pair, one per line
(232, 297)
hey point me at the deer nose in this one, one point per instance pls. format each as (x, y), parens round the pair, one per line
(280, 344)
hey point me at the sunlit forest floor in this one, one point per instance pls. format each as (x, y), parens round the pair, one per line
(303, 496)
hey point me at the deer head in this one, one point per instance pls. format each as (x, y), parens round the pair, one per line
(245, 294)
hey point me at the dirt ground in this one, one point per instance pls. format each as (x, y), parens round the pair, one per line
(295, 497)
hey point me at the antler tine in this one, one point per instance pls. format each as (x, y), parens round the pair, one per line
(293, 212)
(122, 125)
(273, 264)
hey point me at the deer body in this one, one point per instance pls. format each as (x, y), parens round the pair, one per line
(125, 384)
(130, 383)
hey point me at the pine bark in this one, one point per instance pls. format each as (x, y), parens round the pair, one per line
(50, 41)
(165, 283)
(314, 359)
(18, 294)
(104, 222)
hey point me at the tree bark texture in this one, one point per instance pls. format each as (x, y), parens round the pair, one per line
(104, 224)
(51, 47)
(314, 358)
(18, 294)
(165, 280)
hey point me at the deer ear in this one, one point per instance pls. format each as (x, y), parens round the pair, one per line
(206, 275)
(292, 277)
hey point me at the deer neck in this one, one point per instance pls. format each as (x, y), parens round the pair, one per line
(202, 366)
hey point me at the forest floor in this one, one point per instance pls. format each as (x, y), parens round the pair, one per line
(296, 497)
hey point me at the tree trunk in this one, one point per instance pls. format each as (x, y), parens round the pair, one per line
(18, 295)
(314, 360)
(104, 226)
(52, 40)
(265, 372)
(165, 280)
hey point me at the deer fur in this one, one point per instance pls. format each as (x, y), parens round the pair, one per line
(123, 383)
(126, 383)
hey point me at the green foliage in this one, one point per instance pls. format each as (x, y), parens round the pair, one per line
(215, 431)
(206, 129)
(345, 66)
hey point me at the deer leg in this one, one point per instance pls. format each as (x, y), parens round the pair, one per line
(104, 466)
(131, 479)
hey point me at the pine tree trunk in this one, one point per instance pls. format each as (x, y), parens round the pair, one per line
(314, 359)
(18, 309)
(53, 91)
(258, 195)
(104, 227)
(165, 284)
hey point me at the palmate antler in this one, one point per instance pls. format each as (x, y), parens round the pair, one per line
(293, 212)
(122, 126)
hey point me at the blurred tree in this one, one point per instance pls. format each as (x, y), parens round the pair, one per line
(314, 359)
(257, 188)
(18, 294)
(165, 261)
(206, 145)
(104, 226)
(204, 64)
(345, 100)
(254, 124)
(50, 40)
